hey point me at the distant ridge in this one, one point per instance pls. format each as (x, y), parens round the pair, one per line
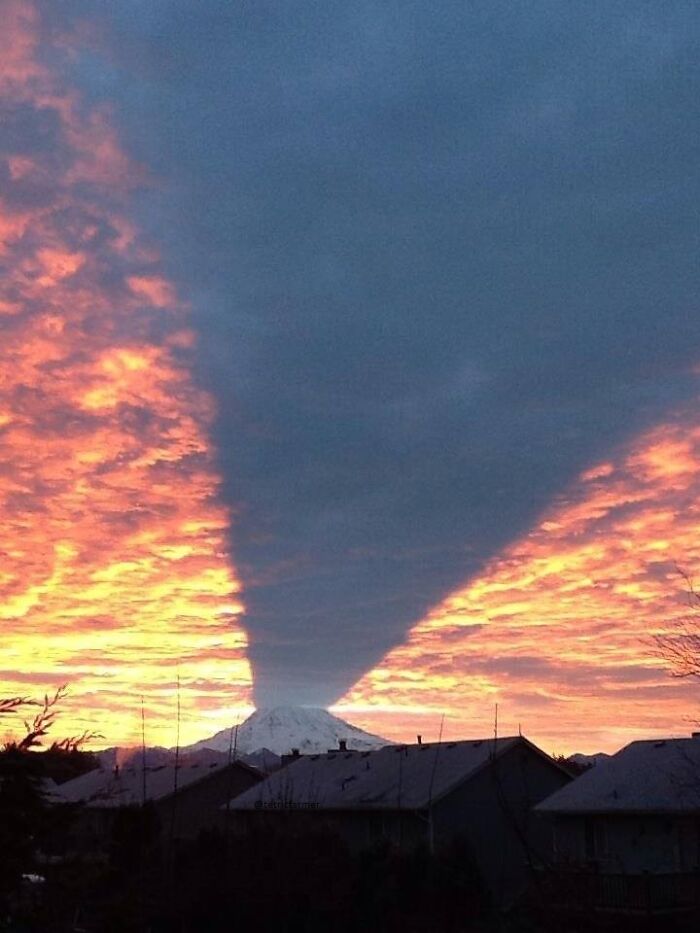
(588, 761)
(109, 758)
(132, 757)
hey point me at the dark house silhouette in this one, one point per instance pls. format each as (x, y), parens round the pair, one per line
(479, 792)
(186, 799)
(626, 834)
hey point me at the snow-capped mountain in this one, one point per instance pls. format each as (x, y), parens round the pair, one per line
(283, 728)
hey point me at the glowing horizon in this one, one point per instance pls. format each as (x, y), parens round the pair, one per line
(116, 574)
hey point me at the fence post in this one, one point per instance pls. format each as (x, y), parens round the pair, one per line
(647, 893)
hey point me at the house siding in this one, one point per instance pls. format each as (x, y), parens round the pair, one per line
(489, 811)
(629, 844)
(197, 807)
(492, 813)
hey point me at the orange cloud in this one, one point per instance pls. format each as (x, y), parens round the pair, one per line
(557, 629)
(115, 573)
(156, 290)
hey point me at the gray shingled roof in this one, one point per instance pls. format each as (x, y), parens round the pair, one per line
(108, 787)
(397, 776)
(661, 776)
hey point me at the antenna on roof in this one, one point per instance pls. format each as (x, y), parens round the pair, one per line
(232, 746)
(431, 839)
(495, 730)
(143, 753)
(176, 768)
(398, 799)
(177, 730)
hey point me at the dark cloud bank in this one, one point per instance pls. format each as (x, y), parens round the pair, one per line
(441, 256)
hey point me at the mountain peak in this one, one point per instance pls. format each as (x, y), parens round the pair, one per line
(310, 729)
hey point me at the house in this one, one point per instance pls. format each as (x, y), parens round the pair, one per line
(186, 798)
(477, 792)
(294, 754)
(626, 834)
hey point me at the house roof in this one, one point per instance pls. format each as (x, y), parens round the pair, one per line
(661, 776)
(393, 777)
(118, 787)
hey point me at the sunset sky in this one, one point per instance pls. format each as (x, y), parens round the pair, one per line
(350, 356)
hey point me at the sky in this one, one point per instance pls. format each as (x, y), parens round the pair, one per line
(353, 360)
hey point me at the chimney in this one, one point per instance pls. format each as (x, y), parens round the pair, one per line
(419, 739)
(294, 755)
(342, 745)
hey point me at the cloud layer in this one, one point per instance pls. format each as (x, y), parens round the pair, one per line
(441, 263)
(115, 574)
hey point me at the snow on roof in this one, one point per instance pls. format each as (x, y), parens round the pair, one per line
(118, 787)
(394, 777)
(655, 776)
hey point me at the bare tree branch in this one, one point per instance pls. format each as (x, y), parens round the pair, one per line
(681, 647)
(75, 743)
(12, 704)
(43, 720)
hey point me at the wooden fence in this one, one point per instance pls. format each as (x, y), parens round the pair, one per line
(643, 894)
